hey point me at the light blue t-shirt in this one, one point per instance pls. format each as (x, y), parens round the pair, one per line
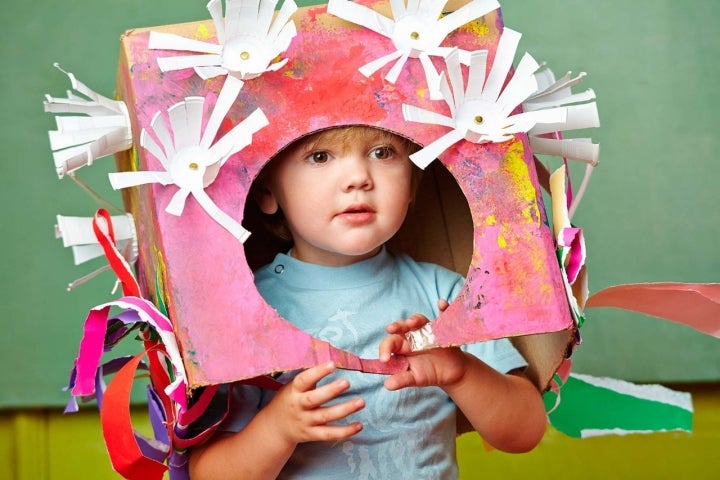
(408, 433)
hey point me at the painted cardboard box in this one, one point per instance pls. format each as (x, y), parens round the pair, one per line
(479, 209)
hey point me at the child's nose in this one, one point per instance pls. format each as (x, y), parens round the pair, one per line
(357, 174)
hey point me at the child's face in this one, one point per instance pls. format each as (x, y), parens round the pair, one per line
(343, 195)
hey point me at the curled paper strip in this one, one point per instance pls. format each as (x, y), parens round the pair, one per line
(105, 233)
(100, 128)
(691, 304)
(482, 111)
(417, 30)
(249, 40)
(131, 455)
(91, 345)
(191, 163)
(571, 247)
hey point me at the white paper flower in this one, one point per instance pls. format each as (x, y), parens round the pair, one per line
(100, 128)
(482, 112)
(416, 30)
(249, 40)
(190, 161)
(546, 139)
(78, 234)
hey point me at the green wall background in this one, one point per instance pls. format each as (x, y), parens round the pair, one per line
(651, 212)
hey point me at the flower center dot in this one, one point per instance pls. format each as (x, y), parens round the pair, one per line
(414, 35)
(479, 119)
(193, 166)
(244, 55)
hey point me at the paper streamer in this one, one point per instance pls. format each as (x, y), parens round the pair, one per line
(593, 406)
(125, 453)
(695, 305)
(91, 345)
(570, 244)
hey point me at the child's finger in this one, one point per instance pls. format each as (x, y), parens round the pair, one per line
(319, 396)
(306, 380)
(333, 413)
(442, 304)
(390, 345)
(336, 432)
(400, 380)
(402, 327)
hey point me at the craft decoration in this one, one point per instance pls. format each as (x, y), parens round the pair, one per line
(571, 246)
(101, 129)
(502, 174)
(133, 455)
(190, 158)
(288, 74)
(78, 234)
(546, 138)
(482, 112)
(417, 30)
(249, 40)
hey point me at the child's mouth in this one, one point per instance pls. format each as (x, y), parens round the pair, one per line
(357, 214)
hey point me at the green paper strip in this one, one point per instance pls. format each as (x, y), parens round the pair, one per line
(593, 406)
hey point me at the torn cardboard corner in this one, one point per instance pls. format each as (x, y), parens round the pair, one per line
(479, 210)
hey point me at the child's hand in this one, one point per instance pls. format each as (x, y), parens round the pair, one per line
(299, 412)
(435, 366)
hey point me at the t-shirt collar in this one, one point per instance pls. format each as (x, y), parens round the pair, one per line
(312, 276)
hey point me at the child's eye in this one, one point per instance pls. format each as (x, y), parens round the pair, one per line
(382, 153)
(318, 157)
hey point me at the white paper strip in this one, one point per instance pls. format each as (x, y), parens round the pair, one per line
(578, 117)
(546, 138)
(79, 140)
(171, 41)
(646, 392)
(504, 55)
(120, 180)
(580, 149)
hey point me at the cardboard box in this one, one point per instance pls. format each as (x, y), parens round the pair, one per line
(479, 212)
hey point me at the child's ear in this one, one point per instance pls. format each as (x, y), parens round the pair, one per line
(265, 199)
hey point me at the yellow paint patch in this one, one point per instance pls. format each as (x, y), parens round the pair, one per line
(202, 32)
(515, 167)
(160, 273)
(491, 220)
(502, 243)
(478, 27)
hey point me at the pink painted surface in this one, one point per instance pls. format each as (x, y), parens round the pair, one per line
(225, 329)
